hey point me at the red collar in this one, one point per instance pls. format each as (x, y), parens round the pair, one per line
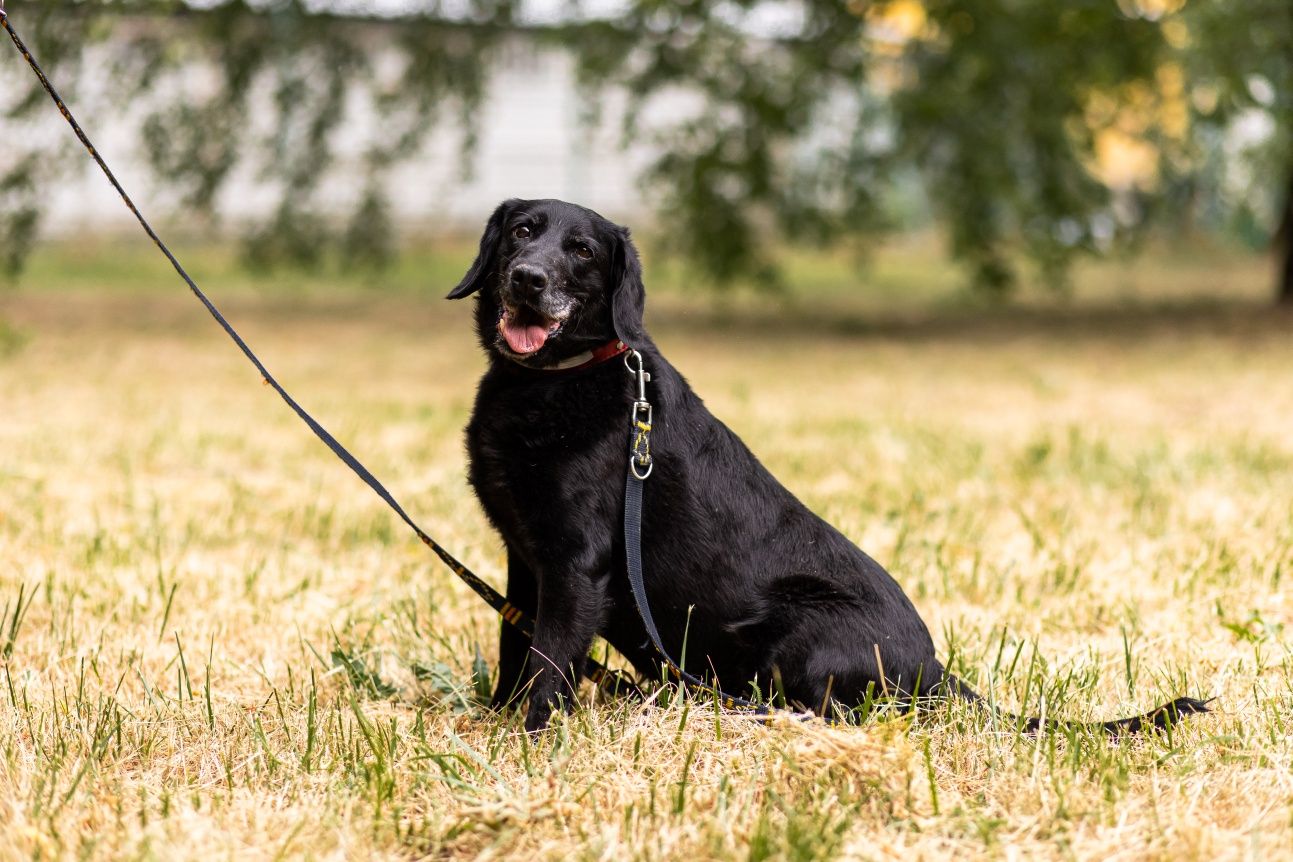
(587, 359)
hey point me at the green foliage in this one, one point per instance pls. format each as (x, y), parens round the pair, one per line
(995, 116)
(997, 105)
(363, 678)
(777, 134)
(803, 121)
(369, 239)
(31, 163)
(265, 88)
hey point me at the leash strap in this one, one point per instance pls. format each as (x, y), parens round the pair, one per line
(633, 556)
(641, 464)
(509, 612)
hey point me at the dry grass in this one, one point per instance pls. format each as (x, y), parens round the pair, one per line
(218, 644)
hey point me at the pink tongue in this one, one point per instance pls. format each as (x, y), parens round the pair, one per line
(524, 339)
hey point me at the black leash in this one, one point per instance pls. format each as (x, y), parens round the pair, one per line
(641, 464)
(600, 674)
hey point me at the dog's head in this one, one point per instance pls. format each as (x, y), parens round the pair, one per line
(553, 279)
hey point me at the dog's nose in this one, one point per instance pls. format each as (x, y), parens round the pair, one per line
(529, 280)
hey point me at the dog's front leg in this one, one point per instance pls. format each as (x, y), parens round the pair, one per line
(571, 608)
(514, 647)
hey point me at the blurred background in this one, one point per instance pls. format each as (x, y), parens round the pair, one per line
(890, 150)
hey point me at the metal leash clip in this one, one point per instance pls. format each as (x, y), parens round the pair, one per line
(640, 461)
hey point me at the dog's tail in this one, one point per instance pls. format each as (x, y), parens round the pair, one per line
(1160, 717)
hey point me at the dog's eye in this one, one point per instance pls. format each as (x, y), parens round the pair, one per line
(584, 252)
(521, 232)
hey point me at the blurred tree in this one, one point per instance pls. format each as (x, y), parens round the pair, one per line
(990, 99)
(1239, 64)
(778, 132)
(1041, 132)
(1004, 113)
(196, 129)
(30, 163)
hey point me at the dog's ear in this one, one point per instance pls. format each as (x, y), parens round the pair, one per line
(628, 294)
(486, 259)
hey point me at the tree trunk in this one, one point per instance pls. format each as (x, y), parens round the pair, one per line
(1284, 247)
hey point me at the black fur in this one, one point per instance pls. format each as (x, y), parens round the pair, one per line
(757, 583)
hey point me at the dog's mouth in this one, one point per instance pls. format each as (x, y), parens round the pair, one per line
(526, 330)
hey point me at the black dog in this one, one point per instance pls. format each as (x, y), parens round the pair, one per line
(756, 584)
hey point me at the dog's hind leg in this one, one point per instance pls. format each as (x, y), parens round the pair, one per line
(839, 656)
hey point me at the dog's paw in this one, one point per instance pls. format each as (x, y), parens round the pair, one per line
(537, 719)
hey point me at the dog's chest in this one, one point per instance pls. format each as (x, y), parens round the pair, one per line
(531, 448)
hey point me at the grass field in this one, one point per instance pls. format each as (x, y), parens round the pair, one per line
(216, 643)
